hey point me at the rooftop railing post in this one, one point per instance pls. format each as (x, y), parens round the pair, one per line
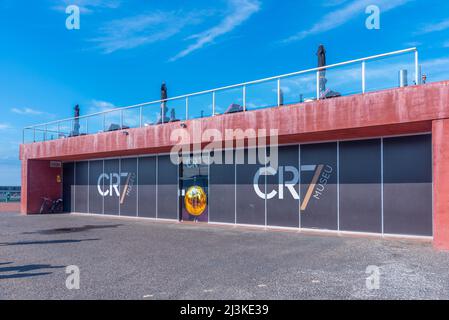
(213, 103)
(23, 136)
(279, 91)
(318, 85)
(244, 98)
(121, 119)
(416, 68)
(187, 108)
(34, 134)
(104, 122)
(363, 77)
(420, 74)
(87, 125)
(140, 117)
(59, 129)
(163, 110)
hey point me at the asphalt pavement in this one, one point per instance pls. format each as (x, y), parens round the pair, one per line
(122, 258)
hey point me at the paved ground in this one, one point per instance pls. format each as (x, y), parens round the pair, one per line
(131, 259)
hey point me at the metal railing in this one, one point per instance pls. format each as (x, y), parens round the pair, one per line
(10, 194)
(349, 77)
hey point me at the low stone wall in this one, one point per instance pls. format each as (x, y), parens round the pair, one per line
(9, 207)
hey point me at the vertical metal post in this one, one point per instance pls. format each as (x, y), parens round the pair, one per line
(102, 198)
(87, 125)
(104, 122)
(121, 119)
(318, 85)
(419, 74)
(279, 91)
(88, 186)
(299, 182)
(74, 188)
(140, 117)
(213, 103)
(45, 133)
(137, 184)
(187, 108)
(338, 185)
(363, 77)
(120, 189)
(23, 136)
(382, 182)
(244, 98)
(163, 110)
(416, 68)
(156, 203)
(59, 129)
(34, 134)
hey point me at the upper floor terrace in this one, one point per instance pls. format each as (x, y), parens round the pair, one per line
(383, 71)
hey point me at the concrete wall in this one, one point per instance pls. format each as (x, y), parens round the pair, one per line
(394, 111)
(440, 143)
(9, 207)
(39, 180)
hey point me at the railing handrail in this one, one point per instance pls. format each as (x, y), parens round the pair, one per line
(413, 49)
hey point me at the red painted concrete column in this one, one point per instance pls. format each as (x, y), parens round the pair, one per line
(440, 147)
(24, 191)
(39, 180)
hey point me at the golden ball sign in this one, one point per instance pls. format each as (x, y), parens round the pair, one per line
(195, 200)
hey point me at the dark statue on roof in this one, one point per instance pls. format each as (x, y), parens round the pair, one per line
(164, 91)
(323, 92)
(163, 115)
(76, 123)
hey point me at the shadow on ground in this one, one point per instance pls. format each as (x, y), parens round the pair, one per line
(24, 270)
(73, 229)
(24, 243)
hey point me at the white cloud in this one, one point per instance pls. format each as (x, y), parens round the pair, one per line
(340, 16)
(436, 64)
(4, 126)
(434, 27)
(87, 6)
(412, 44)
(239, 11)
(26, 111)
(10, 170)
(436, 69)
(10, 149)
(132, 32)
(131, 116)
(100, 106)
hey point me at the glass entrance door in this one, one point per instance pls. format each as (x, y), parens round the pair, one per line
(194, 189)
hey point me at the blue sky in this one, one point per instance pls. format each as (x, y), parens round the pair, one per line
(124, 49)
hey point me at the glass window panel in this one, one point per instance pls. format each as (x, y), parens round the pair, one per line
(112, 121)
(200, 106)
(299, 88)
(384, 73)
(229, 101)
(261, 95)
(150, 114)
(95, 124)
(131, 118)
(342, 81)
